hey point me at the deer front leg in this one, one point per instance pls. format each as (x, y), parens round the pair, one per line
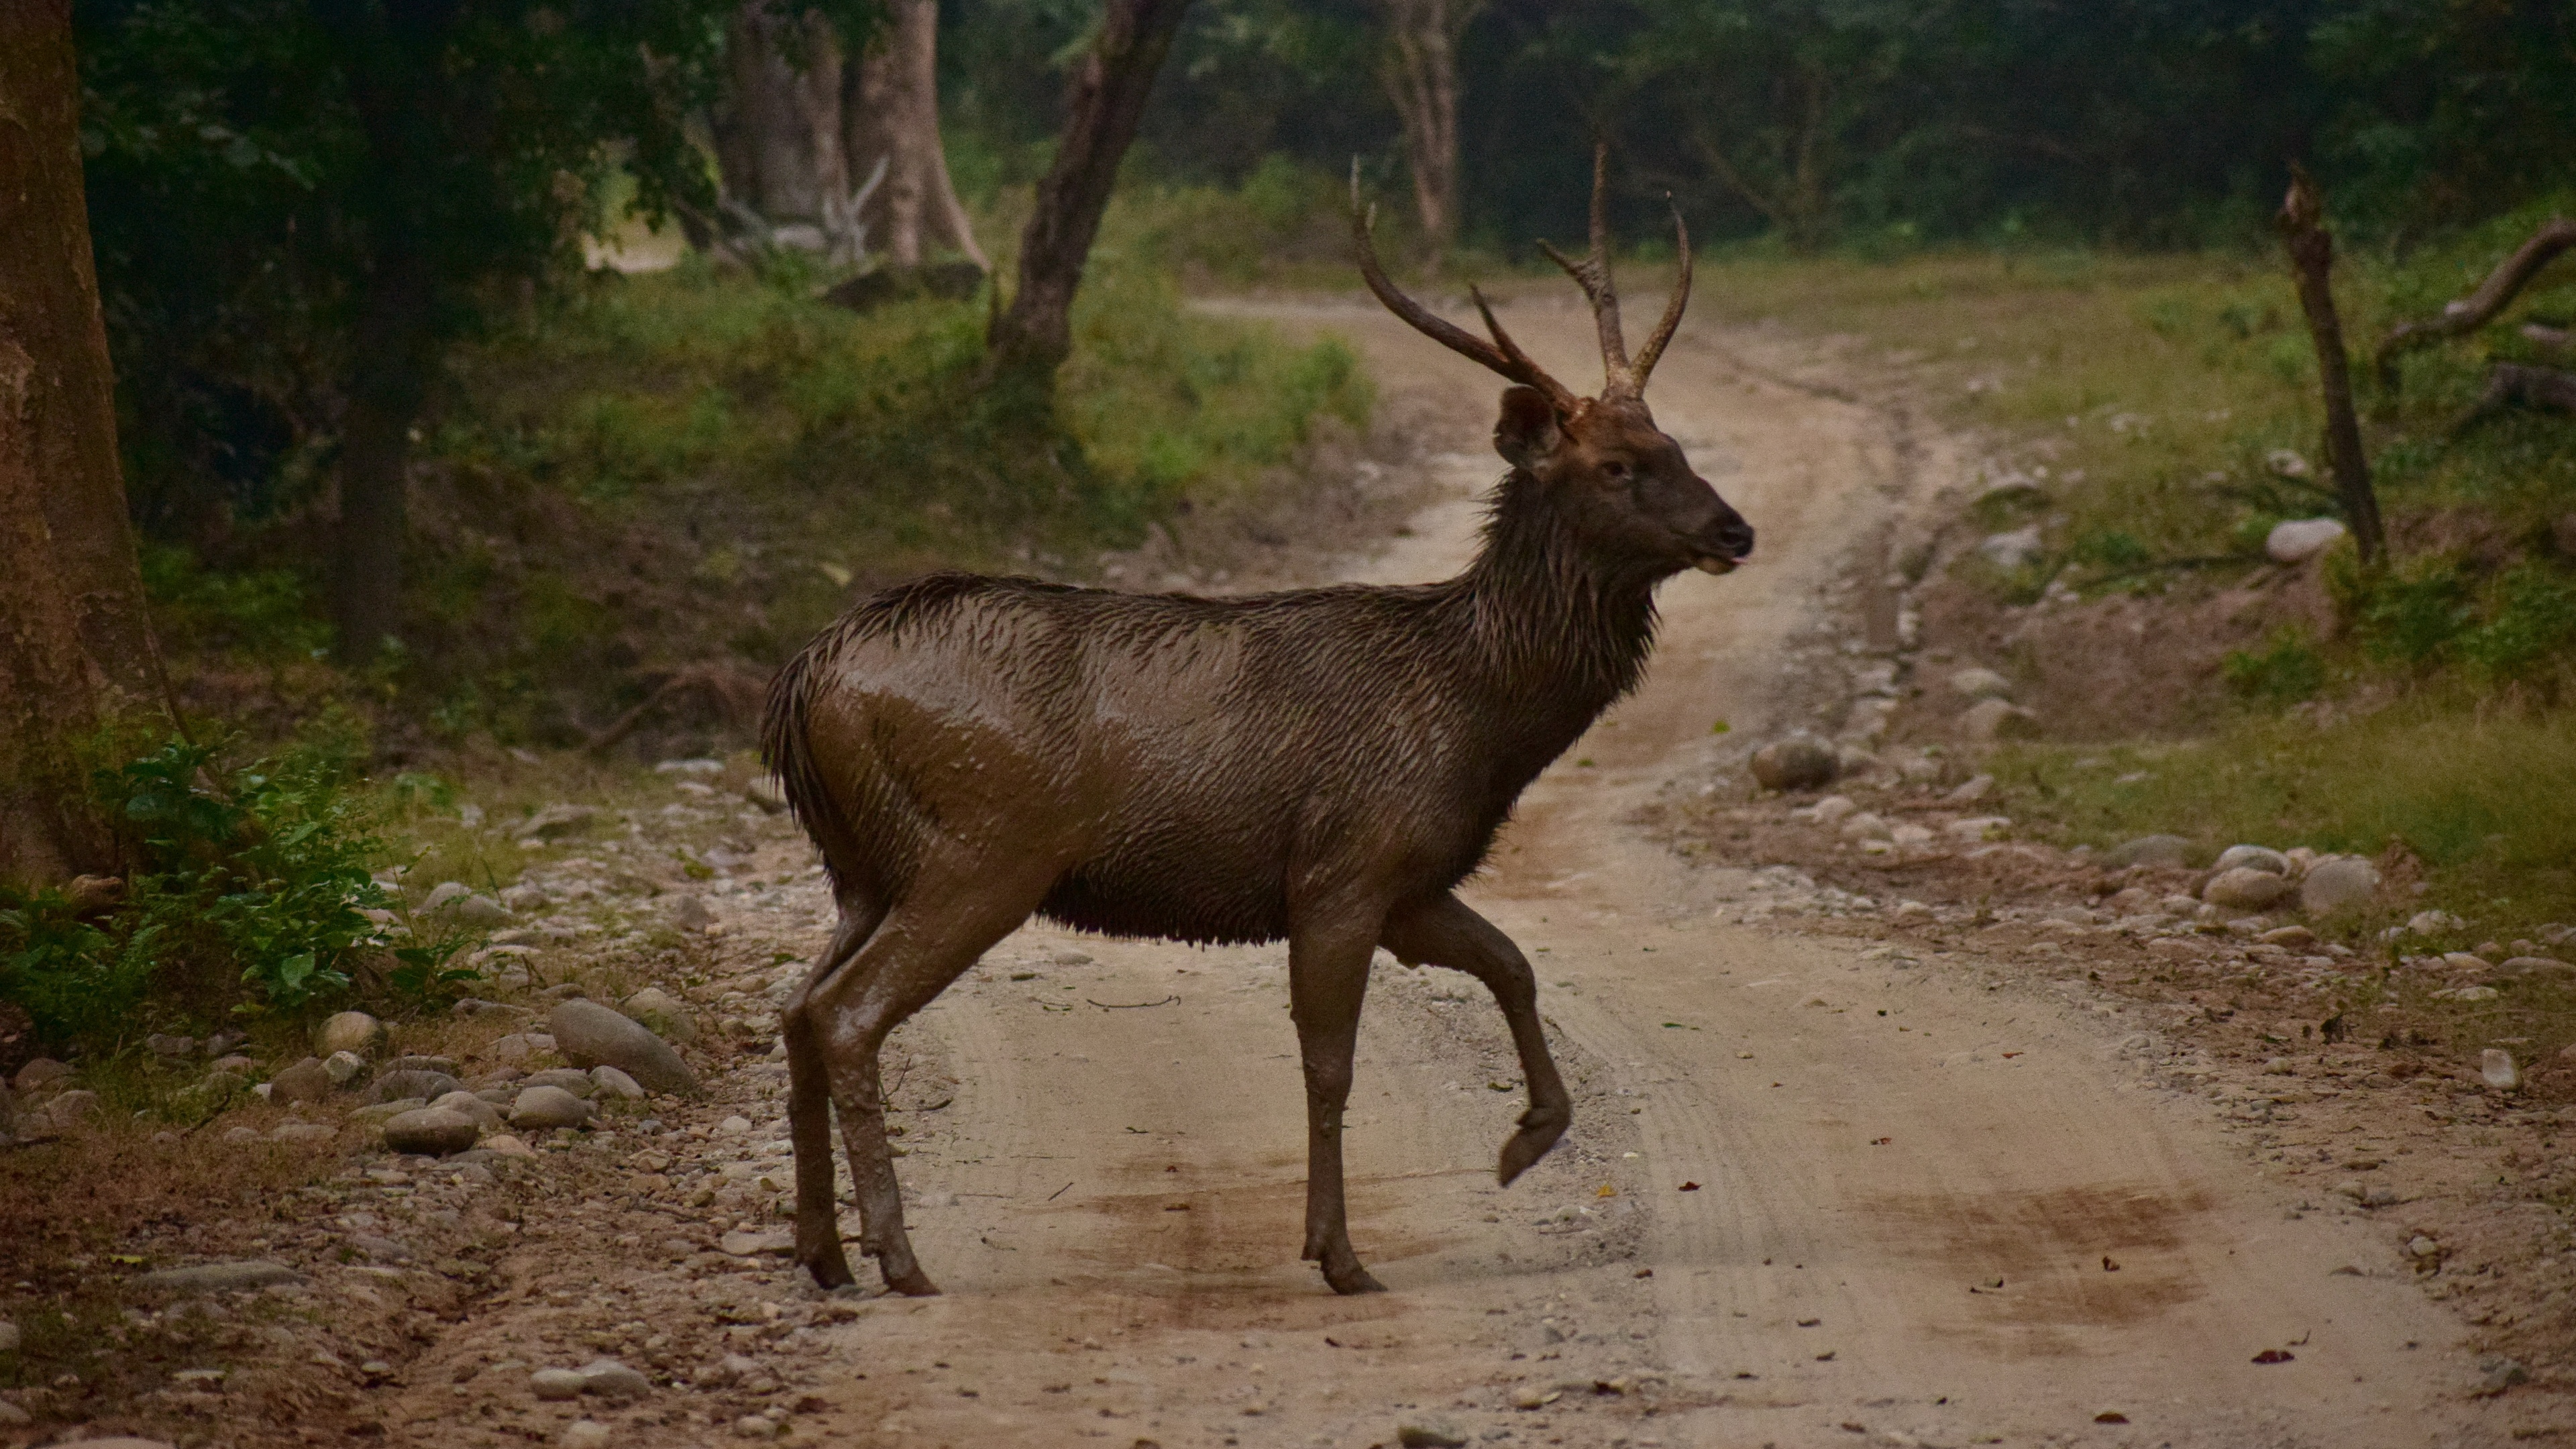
(1447, 933)
(1327, 980)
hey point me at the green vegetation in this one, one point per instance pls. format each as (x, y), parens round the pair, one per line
(251, 899)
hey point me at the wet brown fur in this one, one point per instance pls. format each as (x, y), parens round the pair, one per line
(1320, 765)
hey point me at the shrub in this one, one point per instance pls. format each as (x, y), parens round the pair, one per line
(249, 896)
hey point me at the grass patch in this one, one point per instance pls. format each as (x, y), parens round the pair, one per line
(2479, 795)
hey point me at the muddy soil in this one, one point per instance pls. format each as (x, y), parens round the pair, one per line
(1818, 1192)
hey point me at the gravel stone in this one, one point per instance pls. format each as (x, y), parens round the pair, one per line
(662, 1013)
(2337, 884)
(1429, 1434)
(2161, 851)
(343, 1067)
(585, 1434)
(221, 1277)
(430, 1131)
(2253, 857)
(481, 1113)
(554, 1385)
(394, 1086)
(1995, 719)
(591, 1035)
(577, 1083)
(306, 1081)
(1976, 684)
(610, 1379)
(1797, 763)
(2301, 539)
(2245, 889)
(349, 1031)
(613, 1083)
(542, 1107)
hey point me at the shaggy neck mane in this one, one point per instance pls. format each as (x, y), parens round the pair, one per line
(1561, 628)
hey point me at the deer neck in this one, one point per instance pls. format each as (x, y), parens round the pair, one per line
(1559, 632)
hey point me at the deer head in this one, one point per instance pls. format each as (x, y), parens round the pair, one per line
(1621, 480)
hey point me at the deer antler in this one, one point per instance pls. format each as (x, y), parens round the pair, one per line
(1653, 351)
(1503, 355)
(1592, 274)
(1623, 379)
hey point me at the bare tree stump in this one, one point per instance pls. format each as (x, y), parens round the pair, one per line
(2311, 247)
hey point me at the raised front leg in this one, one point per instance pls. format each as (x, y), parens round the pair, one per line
(809, 1102)
(1328, 966)
(1446, 933)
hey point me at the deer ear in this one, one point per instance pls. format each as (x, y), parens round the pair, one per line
(1526, 433)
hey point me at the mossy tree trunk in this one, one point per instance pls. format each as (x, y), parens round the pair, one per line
(76, 650)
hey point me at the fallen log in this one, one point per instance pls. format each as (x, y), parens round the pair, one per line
(2469, 313)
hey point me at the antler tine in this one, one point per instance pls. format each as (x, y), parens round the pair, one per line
(1672, 318)
(1592, 274)
(1502, 354)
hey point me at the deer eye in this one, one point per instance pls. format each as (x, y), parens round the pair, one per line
(1615, 470)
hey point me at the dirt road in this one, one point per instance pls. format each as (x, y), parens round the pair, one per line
(1810, 1198)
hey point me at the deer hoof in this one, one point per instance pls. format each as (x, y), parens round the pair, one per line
(1524, 1148)
(912, 1284)
(1352, 1280)
(829, 1268)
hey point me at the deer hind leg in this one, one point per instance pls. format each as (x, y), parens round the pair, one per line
(1446, 933)
(809, 1100)
(1327, 980)
(926, 941)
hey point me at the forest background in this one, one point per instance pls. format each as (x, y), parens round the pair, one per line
(422, 478)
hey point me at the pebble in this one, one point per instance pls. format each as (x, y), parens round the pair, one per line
(2533, 966)
(556, 821)
(306, 1081)
(428, 1086)
(2421, 1246)
(2301, 539)
(1864, 826)
(538, 1108)
(591, 1035)
(1976, 684)
(343, 1067)
(609, 1379)
(2337, 883)
(2496, 1065)
(2253, 857)
(613, 1083)
(2287, 463)
(507, 1145)
(221, 1277)
(1429, 1434)
(754, 1426)
(2433, 923)
(2291, 937)
(663, 1013)
(690, 913)
(1979, 827)
(2166, 852)
(41, 1073)
(578, 1083)
(430, 1131)
(555, 1385)
(1800, 762)
(2012, 550)
(348, 1031)
(1970, 792)
(740, 1244)
(585, 1434)
(1832, 809)
(2245, 889)
(1996, 719)
(474, 1109)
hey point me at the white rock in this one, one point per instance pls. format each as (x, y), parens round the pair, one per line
(2301, 539)
(1797, 763)
(1980, 683)
(555, 1385)
(585, 1434)
(2012, 550)
(2434, 923)
(1970, 792)
(2253, 857)
(353, 1032)
(2336, 883)
(1909, 833)
(343, 1067)
(542, 1107)
(2245, 889)
(614, 1083)
(610, 1379)
(1979, 827)
(1832, 809)
(2286, 463)
(1864, 826)
(2496, 1065)
(1995, 719)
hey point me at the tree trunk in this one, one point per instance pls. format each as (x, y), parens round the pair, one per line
(1102, 108)
(386, 387)
(778, 142)
(2311, 246)
(1421, 78)
(76, 646)
(890, 111)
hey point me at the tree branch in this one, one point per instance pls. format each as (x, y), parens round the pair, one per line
(2469, 313)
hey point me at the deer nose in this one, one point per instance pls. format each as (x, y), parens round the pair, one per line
(1735, 535)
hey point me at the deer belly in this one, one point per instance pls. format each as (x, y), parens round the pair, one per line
(1201, 889)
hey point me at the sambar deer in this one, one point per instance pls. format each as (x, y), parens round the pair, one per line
(1321, 765)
